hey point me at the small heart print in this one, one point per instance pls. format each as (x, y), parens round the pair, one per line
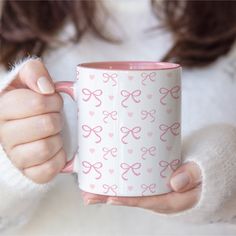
(130, 151)
(111, 97)
(111, 135)
(111, 171)
(91, 113)
(149, 134)
(130, 77)
(169, 111)
(92, 186)
(149, 170)
(168, 148)
(91, 150)
(149, 96)
(130, 188)
(91, 77)
(130, 114)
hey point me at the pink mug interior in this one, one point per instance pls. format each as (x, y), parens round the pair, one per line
(130, 65)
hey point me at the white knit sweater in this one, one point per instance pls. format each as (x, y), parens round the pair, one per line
(208, 127)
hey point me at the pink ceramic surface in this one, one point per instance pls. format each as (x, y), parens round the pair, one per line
(128, 126)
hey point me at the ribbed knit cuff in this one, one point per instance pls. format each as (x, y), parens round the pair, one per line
(214, 150)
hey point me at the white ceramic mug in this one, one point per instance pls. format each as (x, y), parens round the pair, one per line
(129, 133)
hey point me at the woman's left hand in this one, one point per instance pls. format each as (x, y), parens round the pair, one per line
(186, 185)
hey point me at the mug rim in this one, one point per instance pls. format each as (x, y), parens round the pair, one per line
(129, 65)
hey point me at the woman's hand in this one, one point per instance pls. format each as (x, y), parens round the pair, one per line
(30, 124)
(186, 185)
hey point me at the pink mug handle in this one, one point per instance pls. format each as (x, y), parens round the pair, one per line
(68, 88)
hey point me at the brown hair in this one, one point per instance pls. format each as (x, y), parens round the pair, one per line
(202, 30)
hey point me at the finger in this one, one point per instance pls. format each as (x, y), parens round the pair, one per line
(35, 153)
(34, 75)
(167, 203)
(90, 198)
(30, 129)
(186, 177)
(47, 171)
(28, 104)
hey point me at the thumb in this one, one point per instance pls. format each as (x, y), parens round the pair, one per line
(186, 177)
(34, 75)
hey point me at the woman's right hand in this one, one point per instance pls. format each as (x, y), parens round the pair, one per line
(30, 124)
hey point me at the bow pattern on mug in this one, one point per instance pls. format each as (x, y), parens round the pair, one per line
(89, 94)
(110, 188)
(107, 114)
(127, 168)
(107, 77)
(145, 114)
(151, 151)
(134, 95)
(111, 152)
(173, 130)
(174, 93)
(88, 168)
(148, 76)
(88, 131)
(126, 131)
(148, 188)
(173, 165)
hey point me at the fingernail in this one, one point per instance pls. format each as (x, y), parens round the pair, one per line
(113, 202)
(45, 85)
(91, 201)
(179, 181)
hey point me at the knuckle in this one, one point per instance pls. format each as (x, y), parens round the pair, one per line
(44, 148)
(58, 101)
(39, 103)
(51, 169)
(30, 65)
(63, 158)
(1, 108)
(59, 140)
(5, 137)
(38, 179)
(16, 160)
(51, 123)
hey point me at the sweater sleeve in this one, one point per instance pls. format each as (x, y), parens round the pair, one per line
(213, 148)
(19, 196)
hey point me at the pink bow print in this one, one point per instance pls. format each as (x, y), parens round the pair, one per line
(111, 114)
(88, 166)
(134, 95)
(150, 151)
(173, 165)
(111, 151)
(126, 131)
(147, 114)
(150, 188)
(96, 93)
(174, 92)
(173, 129)
(126, 167)
(108, 77)
(151, 76)
(111, 188)
(88, 130)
